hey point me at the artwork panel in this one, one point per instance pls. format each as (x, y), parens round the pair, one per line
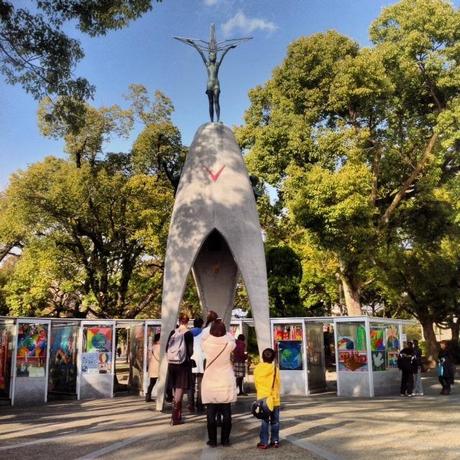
(377, 335)
(290, 355)
(90, 362)
(98, 338)
(32, 342)
(392, 359)
(63, 359)
(378, 361)
(352, 361)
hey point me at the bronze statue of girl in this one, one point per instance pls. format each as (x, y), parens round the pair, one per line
(212, 65)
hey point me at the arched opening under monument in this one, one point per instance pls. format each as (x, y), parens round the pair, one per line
(215, 272)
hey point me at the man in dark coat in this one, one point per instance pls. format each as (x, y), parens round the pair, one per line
(446, 369)
(407, 365)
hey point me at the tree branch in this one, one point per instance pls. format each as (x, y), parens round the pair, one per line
(409, 181)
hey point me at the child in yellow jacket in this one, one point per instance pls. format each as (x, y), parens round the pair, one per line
(267, 380)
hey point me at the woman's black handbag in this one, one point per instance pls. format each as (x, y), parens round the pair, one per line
(260, 408)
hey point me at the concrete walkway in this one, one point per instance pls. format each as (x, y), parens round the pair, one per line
(319, 427)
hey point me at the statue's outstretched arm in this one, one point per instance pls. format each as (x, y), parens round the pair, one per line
(224, 53)
(201, 53)
(190, 42)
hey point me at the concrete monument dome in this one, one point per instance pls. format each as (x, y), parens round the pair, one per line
(215, 234)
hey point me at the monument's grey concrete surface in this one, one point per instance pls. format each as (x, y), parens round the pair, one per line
(315, 427)
(215, 231)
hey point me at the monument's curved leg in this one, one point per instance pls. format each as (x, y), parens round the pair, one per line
(180, 255)
(249, 255)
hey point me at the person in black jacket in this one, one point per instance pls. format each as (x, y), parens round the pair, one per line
(407, 365)
(445, 368)
(179, 370)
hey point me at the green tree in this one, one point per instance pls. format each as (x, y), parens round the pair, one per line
(349, 135)
(92, 229)
(37, 53)
(89, 229)
(158, 149)
(86, 129)
(284, 272)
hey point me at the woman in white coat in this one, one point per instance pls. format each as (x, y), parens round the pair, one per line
(218, 389)
(154, 366)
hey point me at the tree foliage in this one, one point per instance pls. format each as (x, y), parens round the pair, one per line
(37, 53)
(356, 139)
(92, 228)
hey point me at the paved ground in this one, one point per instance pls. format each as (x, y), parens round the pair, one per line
(319, 427)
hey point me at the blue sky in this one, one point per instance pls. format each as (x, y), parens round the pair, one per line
(146, 53)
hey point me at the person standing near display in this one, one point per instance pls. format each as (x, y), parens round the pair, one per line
(418, 387)
(406, 363)
(179, 350)
(218, 387)
(268, 384)
(154, 366)
(239, 363)
(194, 393)
(445, 368)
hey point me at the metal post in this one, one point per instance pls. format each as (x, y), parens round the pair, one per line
(13, 363)
(305, 360)
(112, 373)
(334, 322)
(369, 358)
(79, 354)
(47, 362)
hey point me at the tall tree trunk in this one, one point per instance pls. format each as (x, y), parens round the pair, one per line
(351, 294)
(430, 339)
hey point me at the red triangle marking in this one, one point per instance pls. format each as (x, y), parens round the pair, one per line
(214, 177)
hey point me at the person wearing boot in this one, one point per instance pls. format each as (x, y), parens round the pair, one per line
(218, 389)
(179, 350)
(154, 366)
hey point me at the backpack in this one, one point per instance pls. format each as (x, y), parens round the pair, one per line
(177, 351)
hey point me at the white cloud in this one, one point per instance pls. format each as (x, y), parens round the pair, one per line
(240, 22)
(210, 2)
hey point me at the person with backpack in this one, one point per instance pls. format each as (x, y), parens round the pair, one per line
(268, 384)
(198, 369)
(445, 368)
(179, 350)
(218, 389)
(418, 388)
(154, 366)
(407, 366)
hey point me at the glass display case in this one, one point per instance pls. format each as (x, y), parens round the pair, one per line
(30, 362)
(96, 361)
(62, 375)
